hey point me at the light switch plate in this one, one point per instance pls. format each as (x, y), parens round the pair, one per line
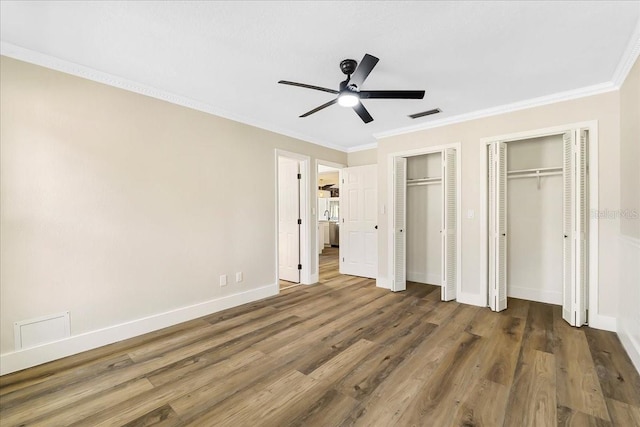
(223, 280)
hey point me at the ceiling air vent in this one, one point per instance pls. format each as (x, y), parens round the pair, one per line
(425, 113)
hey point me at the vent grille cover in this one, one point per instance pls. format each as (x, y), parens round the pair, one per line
(425, 113)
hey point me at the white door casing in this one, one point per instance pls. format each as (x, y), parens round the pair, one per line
(358, 221)
(288, 216)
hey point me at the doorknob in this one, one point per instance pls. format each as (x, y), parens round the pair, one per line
(376, 227)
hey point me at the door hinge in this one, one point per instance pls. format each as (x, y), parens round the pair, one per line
(299, 176)
(299, 266)
(299, 221)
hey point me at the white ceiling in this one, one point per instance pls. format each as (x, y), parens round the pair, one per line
(226, 57)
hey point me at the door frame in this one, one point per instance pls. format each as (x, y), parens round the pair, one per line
(314, 209)
(592, 126)
(305, 232)
(391, 208)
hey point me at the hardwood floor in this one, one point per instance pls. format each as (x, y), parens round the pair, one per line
(341, 352)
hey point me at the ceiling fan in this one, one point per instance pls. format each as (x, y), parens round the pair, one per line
(350, 94)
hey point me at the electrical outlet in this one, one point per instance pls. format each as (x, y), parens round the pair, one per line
(223, 280)
(239, 277)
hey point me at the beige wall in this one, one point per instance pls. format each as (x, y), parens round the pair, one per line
(117, 206)
(630, 153)
(629, 294)
(604, 108)
(363, 157)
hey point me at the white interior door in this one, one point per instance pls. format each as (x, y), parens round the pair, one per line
(497, 155)
(288, 216)
(358, 221)
(574, 306)
(399, 281)
(449, 225)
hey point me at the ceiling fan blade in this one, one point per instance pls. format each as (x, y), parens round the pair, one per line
(324, 89)
(391, 94)
(315, 110)
(363, 113)
(364, 68)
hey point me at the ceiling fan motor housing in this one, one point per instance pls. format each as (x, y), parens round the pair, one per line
(348, 66)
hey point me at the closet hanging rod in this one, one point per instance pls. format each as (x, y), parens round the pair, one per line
(559, 168)
(432, 179)
(535, 175)
(415, 184)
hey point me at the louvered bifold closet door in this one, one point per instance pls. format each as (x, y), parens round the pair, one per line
(501, 252)
(581, 229)
(497, 226)
(400, 219)
(567, 225)
(491, 204)
(449, 226)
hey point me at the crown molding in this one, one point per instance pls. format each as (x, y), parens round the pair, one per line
(362, 147)
(47, 61)
(627, 61)
(629, 57)
(503, 109)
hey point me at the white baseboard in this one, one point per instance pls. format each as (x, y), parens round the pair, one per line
(628, 315)
(431, 279)
(630, 344)
(18, 360)
(472, 299)
(598, 321)
(549, 297)
(313, 279)
(416, 277)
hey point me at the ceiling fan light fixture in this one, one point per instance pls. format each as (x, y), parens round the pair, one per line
(348, 99)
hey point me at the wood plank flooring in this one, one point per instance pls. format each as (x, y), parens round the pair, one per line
(341, 353)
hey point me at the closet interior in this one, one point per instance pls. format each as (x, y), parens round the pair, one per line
(424, 218)
(426, 199)
(537, 222)
(534, 219)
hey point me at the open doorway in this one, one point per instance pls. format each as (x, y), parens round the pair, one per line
(328, 186)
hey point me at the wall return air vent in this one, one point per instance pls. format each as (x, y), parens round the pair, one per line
(42, 330)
